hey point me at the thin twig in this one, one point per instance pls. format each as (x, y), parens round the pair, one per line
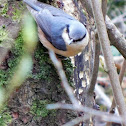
(117, 19)
(122, 71)
(96, 66)
(104, 116)
(77, 120)
(63, 78)
(116, 38)
(62, 75)
(75, 106)
(105, 100)
(104, 8)
(96, 63)
(103, 37)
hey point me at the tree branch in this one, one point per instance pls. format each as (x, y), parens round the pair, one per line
(96, 66)
(62, 75)
(103, 116)
(77, 120)
(116, 38)
(104, 8)
(122, 71)
(103, 37)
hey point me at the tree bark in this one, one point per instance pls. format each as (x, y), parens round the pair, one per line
(27, 104)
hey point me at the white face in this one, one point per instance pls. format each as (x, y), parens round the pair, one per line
(66, 37)
(75, 47)
(69, 41)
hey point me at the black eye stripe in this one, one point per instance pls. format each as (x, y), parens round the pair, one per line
(71, 38)
(79, 39)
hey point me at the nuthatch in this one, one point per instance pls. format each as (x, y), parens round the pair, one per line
(58, 31)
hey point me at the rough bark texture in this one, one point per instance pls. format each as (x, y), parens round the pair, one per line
(104, 41)
(28, 103)
(117, 39)
(84, 64)
(30, 100)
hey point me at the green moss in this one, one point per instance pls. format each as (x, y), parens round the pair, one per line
(68, 67)
(16, 10)
(38, 109)
(45, 64)
(3, 77)
(44, 69)
(5, 117)
(4, 10)
(16, 52)
(3, 34)
(17, 13)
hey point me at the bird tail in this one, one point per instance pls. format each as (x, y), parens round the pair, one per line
(32, 4)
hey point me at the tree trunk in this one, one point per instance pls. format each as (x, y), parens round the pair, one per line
(27, 104)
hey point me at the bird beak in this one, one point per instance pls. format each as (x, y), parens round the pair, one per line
(71, 41)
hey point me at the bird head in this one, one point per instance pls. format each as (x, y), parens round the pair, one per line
(76, 31)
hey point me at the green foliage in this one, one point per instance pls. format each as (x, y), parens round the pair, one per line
(116, 7)
(5, 117)
(38, 109)
(118, 3)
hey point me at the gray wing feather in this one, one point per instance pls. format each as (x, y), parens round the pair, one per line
(47, 20)
(52, 32)
(44, 20)
(54, 11)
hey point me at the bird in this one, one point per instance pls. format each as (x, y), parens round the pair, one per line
(57, 30)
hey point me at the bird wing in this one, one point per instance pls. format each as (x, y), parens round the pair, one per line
(51, 20)
(54, 11)
(44, 21)
(52, 30)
